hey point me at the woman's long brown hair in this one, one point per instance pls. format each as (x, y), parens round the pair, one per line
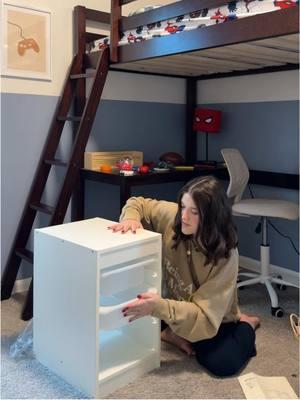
(216, 234)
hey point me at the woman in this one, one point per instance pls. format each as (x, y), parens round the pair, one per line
(200, 313)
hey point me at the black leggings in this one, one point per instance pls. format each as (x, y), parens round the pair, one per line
(227, 352)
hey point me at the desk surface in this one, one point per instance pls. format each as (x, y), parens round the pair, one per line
(115, 178)
(282, 180)
(125, 183)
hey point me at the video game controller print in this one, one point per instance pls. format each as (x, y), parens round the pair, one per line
(26, 44)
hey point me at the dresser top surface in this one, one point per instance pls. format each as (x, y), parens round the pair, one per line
(94, 234)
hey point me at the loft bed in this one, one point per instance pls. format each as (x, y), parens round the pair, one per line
(265, 42)
(235, 42)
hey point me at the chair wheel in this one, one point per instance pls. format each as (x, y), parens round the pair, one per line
(241, 287)
(277, 312)
(279, 285)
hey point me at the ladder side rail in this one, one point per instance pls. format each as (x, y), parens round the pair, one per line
(27, 311)
(80, 30)
(80, 18)
(115, 18)
(81, 38)
(54, 136)
(36, 189)
(83, 133)
(72, 173)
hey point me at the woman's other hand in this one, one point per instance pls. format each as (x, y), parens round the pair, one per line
(141, 307)
(126, 225)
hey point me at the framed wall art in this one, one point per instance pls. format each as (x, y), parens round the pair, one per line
(26, 35)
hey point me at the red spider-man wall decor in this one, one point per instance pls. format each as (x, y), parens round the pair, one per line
(206, 120)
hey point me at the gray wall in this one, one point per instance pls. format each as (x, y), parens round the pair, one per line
(153, 128)
(143, 126)
(24, 126)
(265, 132)
(149, 127)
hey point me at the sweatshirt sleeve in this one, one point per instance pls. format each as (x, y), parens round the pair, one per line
(201, 317)
(155, 215)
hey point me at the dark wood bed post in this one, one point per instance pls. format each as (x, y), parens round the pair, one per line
(190, 135)
(79, 99)
(80, 29)
(79, 49)
(115, 17)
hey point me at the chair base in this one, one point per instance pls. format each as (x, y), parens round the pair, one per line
(265, 278)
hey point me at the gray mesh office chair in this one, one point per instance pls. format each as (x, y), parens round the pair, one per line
(264, 208)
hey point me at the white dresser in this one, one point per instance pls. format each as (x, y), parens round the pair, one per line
(84, 274)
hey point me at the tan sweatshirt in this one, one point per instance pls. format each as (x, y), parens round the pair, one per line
(200, 297)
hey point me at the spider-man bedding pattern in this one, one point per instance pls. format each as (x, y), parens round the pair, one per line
(198, 19)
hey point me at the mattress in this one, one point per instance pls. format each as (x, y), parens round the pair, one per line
(195, 20)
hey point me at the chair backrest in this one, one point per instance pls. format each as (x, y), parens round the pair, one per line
(238, 173)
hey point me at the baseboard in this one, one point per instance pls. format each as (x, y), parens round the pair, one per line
(21, 285)
(254, 266)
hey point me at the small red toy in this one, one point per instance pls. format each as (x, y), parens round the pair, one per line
(284, 4)
(144, 169)
(125, 164)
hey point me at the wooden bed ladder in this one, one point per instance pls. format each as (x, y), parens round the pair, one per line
(89, 106)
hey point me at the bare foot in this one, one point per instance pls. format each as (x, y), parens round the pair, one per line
(170, 337)
(251, 319)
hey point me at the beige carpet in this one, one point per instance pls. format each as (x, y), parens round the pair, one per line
(179, 377)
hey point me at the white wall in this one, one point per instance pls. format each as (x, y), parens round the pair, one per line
(134, 87)
(61, 47)
(61, 42)
(277, 86)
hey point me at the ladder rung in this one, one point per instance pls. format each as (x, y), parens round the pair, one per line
(25, 254)
(74, 119)
(57, 162)
(42, 207)
(80, 76)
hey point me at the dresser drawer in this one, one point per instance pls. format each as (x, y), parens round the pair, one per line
(129, 253)
(110, 310)
(110, 313)
(125, 276)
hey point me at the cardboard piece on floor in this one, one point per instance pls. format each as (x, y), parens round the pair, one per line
(261, 387)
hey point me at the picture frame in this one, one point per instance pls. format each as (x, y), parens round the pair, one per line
(26, 42)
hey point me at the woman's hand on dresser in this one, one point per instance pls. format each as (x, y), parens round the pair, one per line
(141, 307)
(126, 225)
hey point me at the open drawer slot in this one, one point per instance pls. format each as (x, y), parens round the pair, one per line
(123, 277)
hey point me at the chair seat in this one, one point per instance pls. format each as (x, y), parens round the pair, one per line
(267, 208)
